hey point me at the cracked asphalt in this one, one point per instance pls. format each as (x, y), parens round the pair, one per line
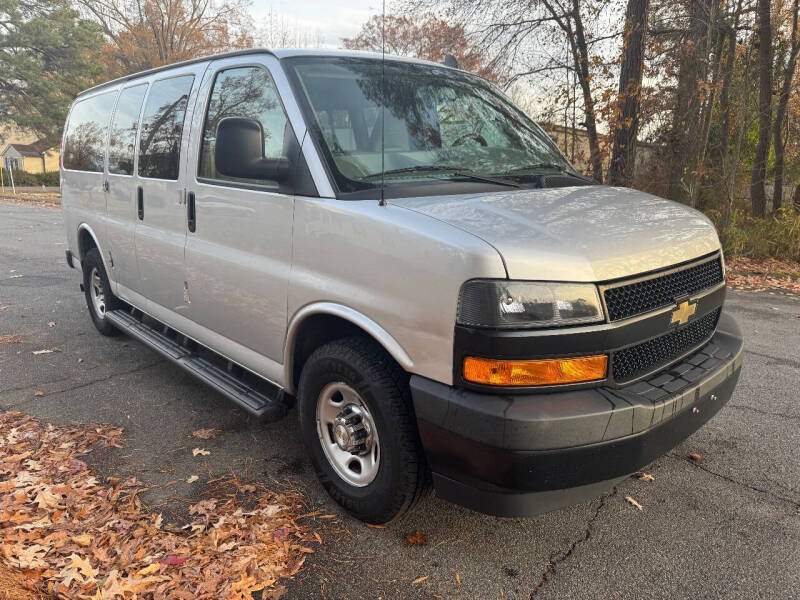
(726, 527)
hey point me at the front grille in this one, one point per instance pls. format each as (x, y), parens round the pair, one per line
(659, 291)
(646, 357)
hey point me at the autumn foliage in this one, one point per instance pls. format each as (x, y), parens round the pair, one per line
(69, 535)
(422, 36)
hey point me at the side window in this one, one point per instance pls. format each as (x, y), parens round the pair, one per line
(246, 92)
(122, 140)
(162, 127)
(85, 139)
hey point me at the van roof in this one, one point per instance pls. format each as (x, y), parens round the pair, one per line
(278, 53)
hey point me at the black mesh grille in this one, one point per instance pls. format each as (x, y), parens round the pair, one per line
(649, 356)
(643, 296)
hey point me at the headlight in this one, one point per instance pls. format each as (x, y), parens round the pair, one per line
(524, 304)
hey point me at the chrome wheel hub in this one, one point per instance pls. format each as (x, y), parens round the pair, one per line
(347, 434)
(97, 294)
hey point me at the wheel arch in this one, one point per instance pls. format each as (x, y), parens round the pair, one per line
(323, 322)
(88, 239)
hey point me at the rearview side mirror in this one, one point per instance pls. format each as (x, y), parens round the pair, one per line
(239, 152)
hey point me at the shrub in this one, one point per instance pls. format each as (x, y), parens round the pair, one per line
(24, 178)
(777, 236)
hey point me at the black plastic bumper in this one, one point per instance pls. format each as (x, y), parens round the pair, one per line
(519, 455)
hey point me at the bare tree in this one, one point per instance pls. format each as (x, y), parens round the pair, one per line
(778, 143)
(532, 35)
(758, 196)
(147, 33)
(623, 157)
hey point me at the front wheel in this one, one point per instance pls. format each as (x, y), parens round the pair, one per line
(358, 426)
(99, 298)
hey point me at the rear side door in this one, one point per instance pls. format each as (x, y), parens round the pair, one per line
(161, 214)
(238, 252)
(121, 185)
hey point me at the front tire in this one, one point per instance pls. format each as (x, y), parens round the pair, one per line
(358, 426)
(99, 298)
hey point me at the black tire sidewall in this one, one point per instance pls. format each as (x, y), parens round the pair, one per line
(91, 262)
(378, 501)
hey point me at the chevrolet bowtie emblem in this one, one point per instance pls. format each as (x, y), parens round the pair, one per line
(683, 313)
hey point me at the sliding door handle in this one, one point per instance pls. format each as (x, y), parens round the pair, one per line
(140, 202)
(191, 216)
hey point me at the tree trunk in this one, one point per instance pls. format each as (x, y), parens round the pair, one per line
(730, 61)
(778, 143)
(758, 197)
(623, 158)
(684, 136)
(580, 53)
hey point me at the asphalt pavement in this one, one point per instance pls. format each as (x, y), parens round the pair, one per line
(725, 527)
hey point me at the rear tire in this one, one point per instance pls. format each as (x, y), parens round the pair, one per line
(385, 474)
(99, 298)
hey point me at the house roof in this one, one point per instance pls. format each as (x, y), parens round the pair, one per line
(34, 149)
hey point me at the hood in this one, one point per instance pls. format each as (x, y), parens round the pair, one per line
(588, 233)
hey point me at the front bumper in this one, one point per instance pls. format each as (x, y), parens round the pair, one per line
(520, 455)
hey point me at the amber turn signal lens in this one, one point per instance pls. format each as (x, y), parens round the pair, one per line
(551, 371)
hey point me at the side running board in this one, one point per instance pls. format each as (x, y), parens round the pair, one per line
(259, 397)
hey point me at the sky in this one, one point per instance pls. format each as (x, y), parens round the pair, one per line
(330, 19)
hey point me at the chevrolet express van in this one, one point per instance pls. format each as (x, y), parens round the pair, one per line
(397, 248)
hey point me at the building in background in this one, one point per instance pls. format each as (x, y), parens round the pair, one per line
(23, 152)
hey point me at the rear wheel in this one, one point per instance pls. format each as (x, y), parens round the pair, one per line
(359, 428)
(99, 298)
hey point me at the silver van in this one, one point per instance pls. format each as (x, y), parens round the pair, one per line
(397, 248)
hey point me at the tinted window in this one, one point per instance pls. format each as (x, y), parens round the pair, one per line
(122, 140)
(85, 139)
(162, 127)
(243, 92)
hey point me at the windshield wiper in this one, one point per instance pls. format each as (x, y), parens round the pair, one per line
(542, 165)
(458, 171)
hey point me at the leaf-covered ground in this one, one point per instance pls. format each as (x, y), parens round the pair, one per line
(65, 534)
(754, 275)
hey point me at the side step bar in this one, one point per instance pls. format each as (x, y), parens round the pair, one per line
(259, 397)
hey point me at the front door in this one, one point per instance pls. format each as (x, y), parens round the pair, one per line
(121, 184)
(161, 214)
(239, 255)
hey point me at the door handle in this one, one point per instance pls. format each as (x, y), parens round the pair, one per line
(191, 217)
(140, 202)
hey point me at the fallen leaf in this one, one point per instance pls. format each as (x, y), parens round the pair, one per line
(416, 538)
(172, 560)
(10, 339)
(696, 457)
(38, 393)
(419, 580)
(206, 434)
(80, 360)
(633, 502)
(46, 351)
(200, 451)
(502, 592)
(149, 570)
(82, 540)
(370, 525)
(51, 324)
(282, 533)
(644, 476)
(192, 479)
(458, 579)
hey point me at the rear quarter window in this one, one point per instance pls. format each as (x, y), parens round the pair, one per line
(85, 138)
(162, 127)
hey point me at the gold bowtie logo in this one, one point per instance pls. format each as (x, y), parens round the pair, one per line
(683, 313)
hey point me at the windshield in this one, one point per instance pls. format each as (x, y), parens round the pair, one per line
(439, 124)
